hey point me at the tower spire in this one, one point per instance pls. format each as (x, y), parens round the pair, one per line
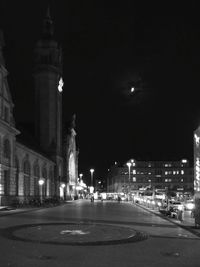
(48, 15)
(48, 28)
(2, 62)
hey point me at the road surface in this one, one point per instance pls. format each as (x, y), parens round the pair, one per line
(86, 234)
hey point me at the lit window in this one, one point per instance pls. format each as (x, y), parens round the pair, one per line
(166, 173)
(134, 171)
(166, 180)
(181, 180)
(174, 172)
(182, 171)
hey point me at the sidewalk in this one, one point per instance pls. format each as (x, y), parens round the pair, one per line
(187, 223)
(7, 210)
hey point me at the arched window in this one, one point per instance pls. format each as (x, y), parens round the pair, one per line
(6, 182)
(72, 168)
(44, 172)
(36, 174)
(44, 175)
(17, 176)
(52, 184)
(36, 170)
(6, 149)
(27, 169)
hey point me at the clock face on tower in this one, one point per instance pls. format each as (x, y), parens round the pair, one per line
(60, 85)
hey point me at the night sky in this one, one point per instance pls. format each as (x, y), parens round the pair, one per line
(108, 48)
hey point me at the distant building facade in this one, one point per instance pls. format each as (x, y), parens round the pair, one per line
(175, 176)
(21, 166)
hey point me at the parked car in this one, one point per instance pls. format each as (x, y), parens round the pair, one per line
(176, 205)
(173, 212)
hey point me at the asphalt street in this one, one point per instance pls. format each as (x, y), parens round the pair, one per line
(82, 233)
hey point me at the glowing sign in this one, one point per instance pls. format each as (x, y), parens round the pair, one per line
(197, 139)
(197, 175)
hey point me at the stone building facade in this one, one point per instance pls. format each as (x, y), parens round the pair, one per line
(71, 155)
(21, 166)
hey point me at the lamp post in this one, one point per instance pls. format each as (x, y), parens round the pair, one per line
(91, 171)
(41, 182)
(129, 175)
(62, 190)
(81, 176)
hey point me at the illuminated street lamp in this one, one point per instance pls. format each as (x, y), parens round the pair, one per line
(81, 175)
(91, 171)
(41, 182)
(129, 174)
(132, 89)
(62, 192)
(63, 185)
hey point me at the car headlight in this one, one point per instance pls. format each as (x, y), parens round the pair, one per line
(190, 206)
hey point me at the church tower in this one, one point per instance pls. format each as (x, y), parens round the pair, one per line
(48, 85)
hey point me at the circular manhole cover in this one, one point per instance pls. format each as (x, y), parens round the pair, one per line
(74, 234)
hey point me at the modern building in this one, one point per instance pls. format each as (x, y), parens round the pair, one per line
(197, 175)
(135, 175)
(46, 167)
(197, 160)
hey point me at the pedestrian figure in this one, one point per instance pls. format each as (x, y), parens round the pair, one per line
(92, 198)
(180, 215)
(119, 199)
(192, 213)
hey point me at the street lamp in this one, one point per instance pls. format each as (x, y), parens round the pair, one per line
(81, 175)
(41, 182)
(91, 171)
(62, 188)
(63, 185)
(132, 89)
(129, 174)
